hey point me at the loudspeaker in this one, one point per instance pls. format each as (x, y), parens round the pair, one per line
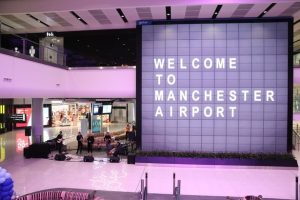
(28, 131)
(88, 159)
(131, 158)
(39, 150)
(60, 157)
(26, 152)
(114, 159)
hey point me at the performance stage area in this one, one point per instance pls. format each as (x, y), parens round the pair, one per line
(32, 175)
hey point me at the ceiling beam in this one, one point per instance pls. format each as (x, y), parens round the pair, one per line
(17, 6)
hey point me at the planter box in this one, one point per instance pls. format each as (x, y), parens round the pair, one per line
(216, 161)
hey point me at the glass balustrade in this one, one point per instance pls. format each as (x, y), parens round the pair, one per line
(19, 46)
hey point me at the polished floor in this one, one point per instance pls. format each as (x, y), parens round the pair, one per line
(31, 175)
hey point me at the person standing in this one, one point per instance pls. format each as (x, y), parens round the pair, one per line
(59, 142)
(90, 141)
(79, 139)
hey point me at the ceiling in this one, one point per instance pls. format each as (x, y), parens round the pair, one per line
(36, 16)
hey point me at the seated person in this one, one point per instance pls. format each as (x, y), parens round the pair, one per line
(116, 150)
(107, 137)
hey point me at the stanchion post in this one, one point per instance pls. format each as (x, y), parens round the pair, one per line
(142, 188)
(296, 187)
(174, 184)
(179, 186)
(145, 194)
(146, 179)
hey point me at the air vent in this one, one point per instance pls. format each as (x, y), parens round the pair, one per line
(144, 13)
(192, 11)
(242, 10)
(58, 19)
(100, 16)
(18, 21)
(291, 10)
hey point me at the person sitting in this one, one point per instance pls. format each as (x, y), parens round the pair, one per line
(116, 150)
(107, 137)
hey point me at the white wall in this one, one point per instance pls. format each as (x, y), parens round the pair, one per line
(20, 78)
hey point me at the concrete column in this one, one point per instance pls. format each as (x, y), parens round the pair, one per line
(37, 120)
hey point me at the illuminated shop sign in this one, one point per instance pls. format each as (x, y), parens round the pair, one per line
(2, 149)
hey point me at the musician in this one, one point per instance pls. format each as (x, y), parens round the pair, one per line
(116, 150)
(59, 142)
(79, 139)
(90, 141)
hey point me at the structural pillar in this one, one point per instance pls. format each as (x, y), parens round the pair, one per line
(37, 120)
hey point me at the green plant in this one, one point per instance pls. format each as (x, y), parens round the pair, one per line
(222, 155)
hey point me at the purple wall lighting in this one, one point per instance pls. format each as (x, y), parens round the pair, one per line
(219, 87)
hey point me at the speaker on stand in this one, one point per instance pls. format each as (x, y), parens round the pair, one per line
(28, 131)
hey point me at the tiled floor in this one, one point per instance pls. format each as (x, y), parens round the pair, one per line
(31, 175)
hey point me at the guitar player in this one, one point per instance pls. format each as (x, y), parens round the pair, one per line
(59, 142)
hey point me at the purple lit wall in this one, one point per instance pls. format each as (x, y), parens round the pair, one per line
(21, 78)
(219, 87)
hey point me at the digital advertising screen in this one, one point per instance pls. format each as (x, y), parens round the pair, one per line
(28, 120)
(215, 86)
(106, 109)
(97, 109)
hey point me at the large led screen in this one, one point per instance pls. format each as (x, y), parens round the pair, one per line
(214, 87)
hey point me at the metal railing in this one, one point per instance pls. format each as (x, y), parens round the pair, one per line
(144, 188)
(176, 189)
(22, 47)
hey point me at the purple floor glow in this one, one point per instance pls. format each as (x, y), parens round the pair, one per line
(31, 175)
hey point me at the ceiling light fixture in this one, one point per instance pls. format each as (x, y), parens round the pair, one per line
(217, 11)
(267, 10)
(7, 25)
(78, 17)
(168, 12)
(120, 12)
(36, 19)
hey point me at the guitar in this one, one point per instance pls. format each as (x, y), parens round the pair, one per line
(60, 140)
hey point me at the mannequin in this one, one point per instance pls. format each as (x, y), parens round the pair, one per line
(31, 51)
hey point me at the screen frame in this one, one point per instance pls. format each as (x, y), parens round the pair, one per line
(141, 23)
(104, 113)
(100, 107)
